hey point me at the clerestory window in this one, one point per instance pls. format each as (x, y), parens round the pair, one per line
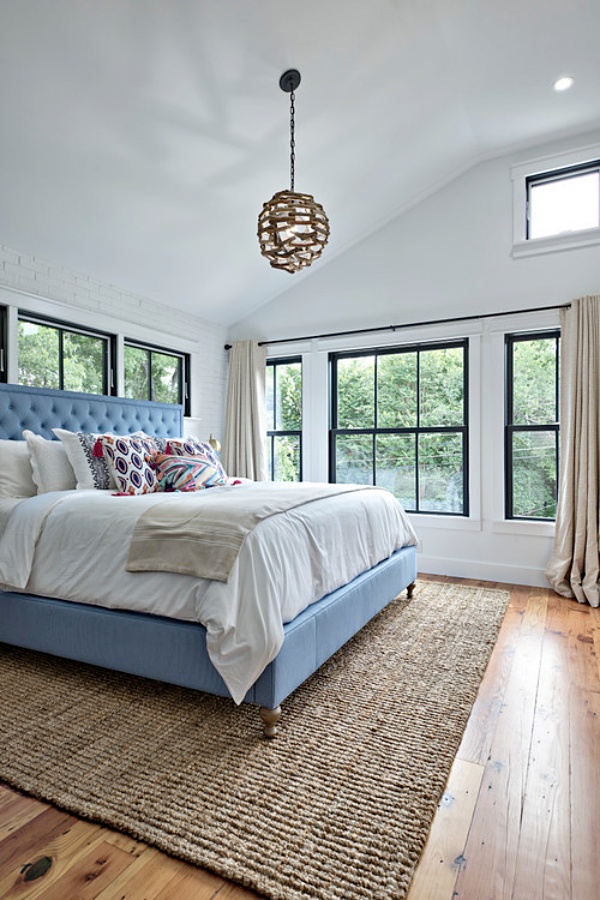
(563, 201)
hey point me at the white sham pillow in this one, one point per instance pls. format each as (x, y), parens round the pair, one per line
(16, 474)
(91, 472)
(52, 470)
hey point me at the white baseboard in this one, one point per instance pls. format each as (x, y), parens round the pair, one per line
(484, 571)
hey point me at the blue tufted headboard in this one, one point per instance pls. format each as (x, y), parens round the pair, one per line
(41, 409)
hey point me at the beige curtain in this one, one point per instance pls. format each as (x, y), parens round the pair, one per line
(574, 569)
(244, 436)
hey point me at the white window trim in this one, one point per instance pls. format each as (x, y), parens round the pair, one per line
(519, 173)
(32, 304)
(18, 301)
(531, 529)
(453, 522)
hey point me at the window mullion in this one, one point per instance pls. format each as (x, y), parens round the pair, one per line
(61, 360)
(375, 420)
(417, 432)
(150, 375)
(557, 376)
(272, 457)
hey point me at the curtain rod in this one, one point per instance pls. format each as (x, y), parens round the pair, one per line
(313, 337)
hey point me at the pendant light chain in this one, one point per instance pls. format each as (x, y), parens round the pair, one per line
(292, 140)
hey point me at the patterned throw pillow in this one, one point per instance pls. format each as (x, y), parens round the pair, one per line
(192, 446)
(129, 460)
(185, 473)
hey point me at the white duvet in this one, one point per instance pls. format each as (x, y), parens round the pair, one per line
(73, 545)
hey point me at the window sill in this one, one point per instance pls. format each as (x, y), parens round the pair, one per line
(532, 529)
(455, 523)
(572, 241)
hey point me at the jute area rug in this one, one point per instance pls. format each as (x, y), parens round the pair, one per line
(337, 806)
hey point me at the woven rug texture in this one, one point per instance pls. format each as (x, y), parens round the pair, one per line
(338, 806)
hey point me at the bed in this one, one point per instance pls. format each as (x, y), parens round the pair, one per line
(173, 648)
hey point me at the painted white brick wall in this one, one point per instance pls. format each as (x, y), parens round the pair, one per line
(88, 301)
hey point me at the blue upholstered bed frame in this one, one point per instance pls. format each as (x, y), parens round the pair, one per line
(154, 646)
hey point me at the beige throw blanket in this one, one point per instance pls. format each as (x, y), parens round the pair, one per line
(201, 534)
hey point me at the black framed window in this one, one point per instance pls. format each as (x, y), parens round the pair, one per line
(155, 373)
(3, 344)
(563, 201)
(532, 425)
(399, 419)
(284, 419)
(64, 357)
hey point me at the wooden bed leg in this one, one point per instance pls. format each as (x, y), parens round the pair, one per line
(270, 718)
(410, 589)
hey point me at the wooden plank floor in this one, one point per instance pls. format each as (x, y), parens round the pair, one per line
(519, 819)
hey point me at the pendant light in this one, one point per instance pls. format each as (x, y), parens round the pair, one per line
(292, 228)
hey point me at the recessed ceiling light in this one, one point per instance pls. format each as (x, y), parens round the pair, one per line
(564, 83)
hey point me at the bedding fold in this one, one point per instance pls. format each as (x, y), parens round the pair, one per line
(205, 541)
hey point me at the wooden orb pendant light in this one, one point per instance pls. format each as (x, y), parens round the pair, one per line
(292, 228)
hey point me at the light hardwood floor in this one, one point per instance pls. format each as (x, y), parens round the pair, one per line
(520, 817)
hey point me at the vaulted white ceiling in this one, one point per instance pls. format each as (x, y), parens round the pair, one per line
(140, 139)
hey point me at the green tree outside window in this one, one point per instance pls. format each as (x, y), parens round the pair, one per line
(532, 426)
(152, 374)
(54, 357)
(400, 422)
(284, 419)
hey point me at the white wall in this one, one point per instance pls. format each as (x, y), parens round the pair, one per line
(484, 545)
(450, 256)
(37, 286)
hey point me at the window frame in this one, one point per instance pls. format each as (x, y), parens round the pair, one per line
(510, 339)
(184, 369)
(563, 174)
(417, 348)
(524, 246)
(3, 344)
(63, 327)
(273, 433)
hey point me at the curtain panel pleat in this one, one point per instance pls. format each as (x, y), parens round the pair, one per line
(574, 566)
(244, 436)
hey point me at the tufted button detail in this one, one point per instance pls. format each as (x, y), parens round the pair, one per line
(41, 410)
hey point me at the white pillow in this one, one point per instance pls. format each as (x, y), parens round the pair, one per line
(52, 470)
(90, 471)
(16, 476)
